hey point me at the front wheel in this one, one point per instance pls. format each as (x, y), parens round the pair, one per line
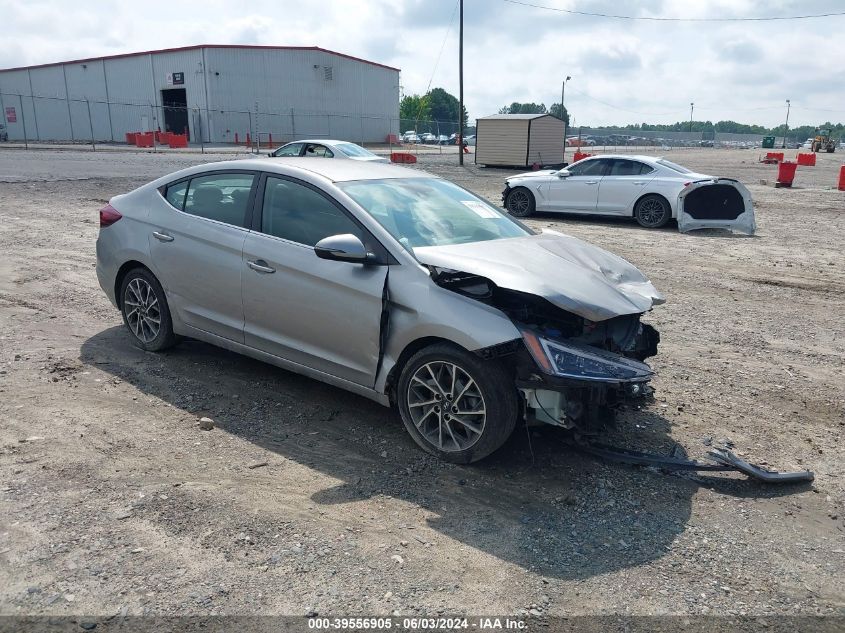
(456, 405)
(520, 202)
(652, 212)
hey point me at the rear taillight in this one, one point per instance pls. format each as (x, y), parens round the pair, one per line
(108, 216)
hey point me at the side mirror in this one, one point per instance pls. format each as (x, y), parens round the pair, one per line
(563, 173)
(342, 248)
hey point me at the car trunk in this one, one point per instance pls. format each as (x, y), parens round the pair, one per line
(717, 203)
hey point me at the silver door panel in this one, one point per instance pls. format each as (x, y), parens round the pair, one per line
(318, 313)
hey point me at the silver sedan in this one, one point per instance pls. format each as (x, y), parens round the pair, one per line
(388, 282)
(326, 148)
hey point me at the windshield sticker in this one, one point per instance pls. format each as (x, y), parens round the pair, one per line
(480, 209)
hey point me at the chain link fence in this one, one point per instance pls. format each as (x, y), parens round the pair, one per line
(43, 119)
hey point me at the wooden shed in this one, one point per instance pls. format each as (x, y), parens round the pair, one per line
(518, 140)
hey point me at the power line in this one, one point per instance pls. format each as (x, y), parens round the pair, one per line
(663, 19)
(437, 62)
(615, 107)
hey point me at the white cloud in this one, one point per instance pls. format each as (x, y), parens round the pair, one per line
(622, 71)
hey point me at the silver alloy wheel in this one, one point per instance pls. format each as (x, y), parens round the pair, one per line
(446, 406)
(518, 202)
(651, 211)
(140, 305)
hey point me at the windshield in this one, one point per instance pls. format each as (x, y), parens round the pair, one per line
(673, 166)
(431, 212)
(350, 149)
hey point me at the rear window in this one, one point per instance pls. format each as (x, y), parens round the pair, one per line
(350, 149)
(673, 166)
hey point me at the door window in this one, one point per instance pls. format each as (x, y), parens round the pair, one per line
(221, 197)
(589, 168)
(297, 213)
(292, 149)
(625, 167)
(318, 151)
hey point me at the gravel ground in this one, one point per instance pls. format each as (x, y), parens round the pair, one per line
(304, 498)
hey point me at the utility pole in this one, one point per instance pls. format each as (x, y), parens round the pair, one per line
(461, 86)
(691, 108)
(562, 110)
(786, 126)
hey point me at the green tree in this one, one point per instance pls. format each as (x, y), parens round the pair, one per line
(414, 108)
(444, 106)
(524, 108)
(554, 110)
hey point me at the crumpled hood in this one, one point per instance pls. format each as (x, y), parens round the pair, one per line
(571, 274)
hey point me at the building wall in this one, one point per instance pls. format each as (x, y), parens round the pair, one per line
(546, 142)
(501, 141)
(296, 93)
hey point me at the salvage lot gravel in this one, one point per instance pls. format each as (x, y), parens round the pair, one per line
(306, 499)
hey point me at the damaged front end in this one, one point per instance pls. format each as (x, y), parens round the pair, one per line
(571, 371)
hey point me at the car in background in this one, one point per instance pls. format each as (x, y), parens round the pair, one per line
(411, 137)
(4, 134)
(387, 282)
(428, 137)
(322, 148)
(651, 190)
(442, 139)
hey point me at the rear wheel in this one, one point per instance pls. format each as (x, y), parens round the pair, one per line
(456, 405)
(652, 211)
(520, 202)
(145, 311)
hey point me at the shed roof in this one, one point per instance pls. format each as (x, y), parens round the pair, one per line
(514, 117)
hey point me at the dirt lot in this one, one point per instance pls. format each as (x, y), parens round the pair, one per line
(113, 500)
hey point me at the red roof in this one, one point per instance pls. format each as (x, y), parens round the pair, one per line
(199, 46)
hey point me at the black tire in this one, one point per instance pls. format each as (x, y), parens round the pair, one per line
(498, 398)
(141, 334)
(520, 202)
(652, 211)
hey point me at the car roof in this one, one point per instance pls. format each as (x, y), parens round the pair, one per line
(640, 157)
(329, 168)
(322, 141)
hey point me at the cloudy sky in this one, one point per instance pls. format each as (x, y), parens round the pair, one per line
(622, 71)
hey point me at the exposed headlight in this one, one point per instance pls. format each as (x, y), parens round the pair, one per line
(583, 362)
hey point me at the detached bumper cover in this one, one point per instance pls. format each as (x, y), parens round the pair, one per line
(725, 461)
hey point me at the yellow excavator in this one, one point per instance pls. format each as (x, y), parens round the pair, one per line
(823, 142)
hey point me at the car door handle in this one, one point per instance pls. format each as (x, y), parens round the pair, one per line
(259, 265)
(639, 182)
(591, 182)
(163, 237)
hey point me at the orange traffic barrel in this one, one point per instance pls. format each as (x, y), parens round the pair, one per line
(808, 159)
(778, 156)
(842, 178)
(786, 173)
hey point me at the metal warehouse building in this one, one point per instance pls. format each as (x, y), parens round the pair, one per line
(212, 92)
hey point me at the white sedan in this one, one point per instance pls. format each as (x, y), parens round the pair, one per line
(651, 190)
(324, 148)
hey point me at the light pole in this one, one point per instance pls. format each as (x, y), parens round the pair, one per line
(461, 87)
(562, 116)
(691, 108)
(786, 126)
